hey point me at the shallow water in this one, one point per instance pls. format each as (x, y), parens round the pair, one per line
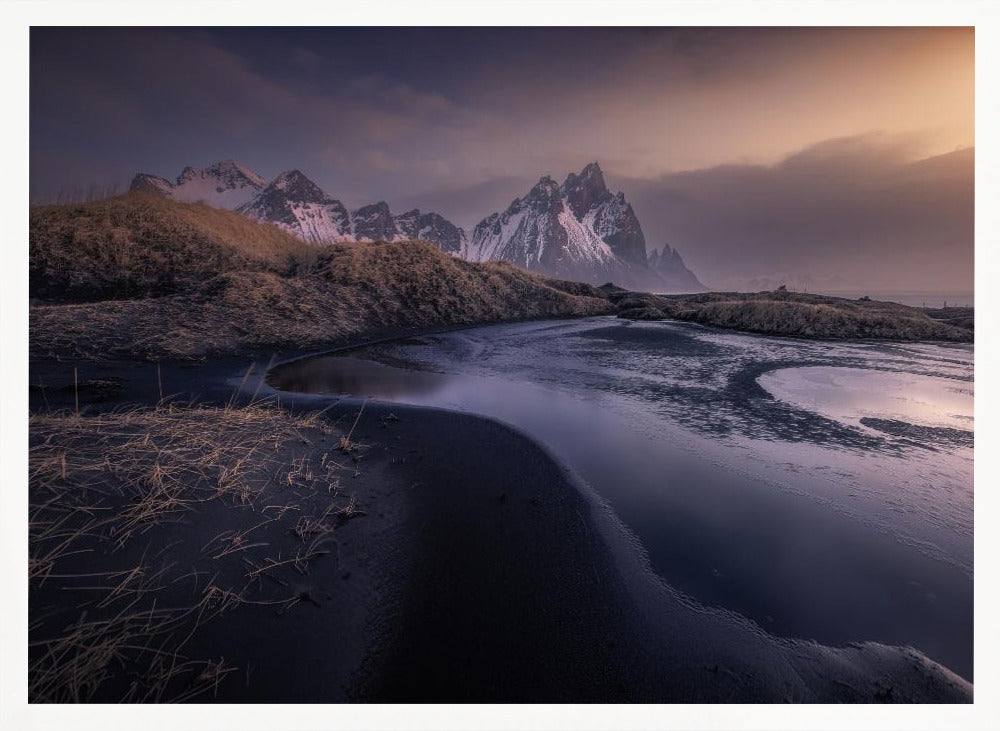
(823, 490)
(850, 395)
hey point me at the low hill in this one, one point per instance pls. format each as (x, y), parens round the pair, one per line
(147, 276)
(143, 275)
(142, 244)
(793, 314)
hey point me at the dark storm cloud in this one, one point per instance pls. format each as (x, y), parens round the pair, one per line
(156, 100)
(843, 214)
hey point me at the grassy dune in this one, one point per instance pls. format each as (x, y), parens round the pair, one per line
(793, 314)
(147, 276)
(142, 275)
(142, 245)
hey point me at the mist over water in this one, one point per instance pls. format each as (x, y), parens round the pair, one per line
(823, 490)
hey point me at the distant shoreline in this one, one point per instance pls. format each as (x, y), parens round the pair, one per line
(786, 313)
(923, 300)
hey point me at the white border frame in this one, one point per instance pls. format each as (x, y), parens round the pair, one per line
(15, 19)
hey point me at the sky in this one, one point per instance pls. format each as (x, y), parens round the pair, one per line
(830, 158)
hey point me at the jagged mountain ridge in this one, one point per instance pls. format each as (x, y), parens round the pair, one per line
(293, 202)
(432, 227)
(669, 265)
(226, 184)
(577, 230)
(539, 231)
(296, 204)
(610, 216)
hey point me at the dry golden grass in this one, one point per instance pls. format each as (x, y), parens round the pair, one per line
(204, 282)
(140, 245)
(72, 667)
(98, 483)
(793, 314)
(207, 282)
(803, 319)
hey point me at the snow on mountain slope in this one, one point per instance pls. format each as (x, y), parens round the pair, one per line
(500, 237)
(583, 245)
(374, 222)
(151, 184)
(432, 227)
(577, 230)
(225, 184)
(610, 216)
(293, 202)
(298, 205)
(571, 230)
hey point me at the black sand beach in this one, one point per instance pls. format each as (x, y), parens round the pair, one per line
(479, 571)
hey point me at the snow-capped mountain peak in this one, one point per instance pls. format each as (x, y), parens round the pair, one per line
(147, 183)
(234, 168)
(586, 190)
(295, 203)
(294, 185)
(225, 184)
(432, 227)
(577, 229)
(374, 222)
(541, 231)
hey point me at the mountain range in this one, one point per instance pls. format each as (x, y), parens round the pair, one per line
(577, 230)
(668, 264)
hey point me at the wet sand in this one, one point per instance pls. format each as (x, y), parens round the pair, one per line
(483, 572)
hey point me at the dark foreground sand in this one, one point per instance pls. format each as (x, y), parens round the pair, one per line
(480, 571)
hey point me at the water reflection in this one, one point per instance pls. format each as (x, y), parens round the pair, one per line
(347, 376)
(851, 394)
(812, 525)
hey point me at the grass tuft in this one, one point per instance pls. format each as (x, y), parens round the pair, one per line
(106, 607)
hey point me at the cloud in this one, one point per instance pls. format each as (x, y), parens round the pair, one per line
(175, 98)
(464, 120)
(858, 212)
(467, 205)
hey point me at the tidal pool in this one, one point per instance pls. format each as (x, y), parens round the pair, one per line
(850, 395)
